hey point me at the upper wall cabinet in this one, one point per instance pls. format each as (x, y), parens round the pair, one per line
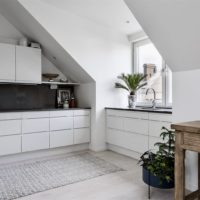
(28, 65)
(7, 63)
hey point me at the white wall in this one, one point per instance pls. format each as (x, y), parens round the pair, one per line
(186, 107)
(103, 53)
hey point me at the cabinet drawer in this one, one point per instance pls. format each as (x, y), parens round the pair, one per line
(8, 116)
(10, 145)
(32, 115)
(10, 127)
(62, 113)
(35, 125)
(115, 122)
(152, 141)
(61, 138)
(81, 135)
(131, 141)
(130, 114)
(61, 123)
(136, 126)
(81, 112)
(160, 117)
(81, 121)
(35, 141)
(156, 126)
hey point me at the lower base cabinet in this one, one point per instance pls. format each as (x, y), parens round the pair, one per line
(81, 135)
(61, 138)
(35, 141)
(10, 145)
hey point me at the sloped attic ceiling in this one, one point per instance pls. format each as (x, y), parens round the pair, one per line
(174, 28)
(17, 15)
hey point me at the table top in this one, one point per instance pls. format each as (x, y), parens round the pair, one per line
(192, 127)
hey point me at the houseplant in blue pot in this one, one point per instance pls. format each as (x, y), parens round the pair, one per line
(158, 167)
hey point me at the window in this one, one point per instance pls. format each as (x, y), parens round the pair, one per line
(147, 60)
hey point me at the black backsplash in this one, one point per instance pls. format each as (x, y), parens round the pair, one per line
(20, 97)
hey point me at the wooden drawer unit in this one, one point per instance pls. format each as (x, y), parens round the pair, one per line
(10, 145)
(81, 121)
(35, 141)
(81, 135)
(35, 125)
(10, 127)
(61, 123)
(191, 139)
(61, 138)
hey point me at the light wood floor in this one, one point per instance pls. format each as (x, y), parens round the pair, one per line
(125, 185)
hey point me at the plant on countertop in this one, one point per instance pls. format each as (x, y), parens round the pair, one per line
(133, 82)
(161, 163)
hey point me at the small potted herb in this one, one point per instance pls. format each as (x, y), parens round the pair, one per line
(132, 83)
(158, 167)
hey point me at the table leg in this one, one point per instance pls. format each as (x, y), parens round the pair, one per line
(179, 169)
(199, 175)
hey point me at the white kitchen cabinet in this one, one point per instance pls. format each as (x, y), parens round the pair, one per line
(28, 65)
(81, 121)
(10, 145)
(10, 127)
(7, 63)
(61, 123)
(61, 138)
(35, 141)
(81, 135)
(35, 125)
(81, 112)
(115, 122)
(61, 113)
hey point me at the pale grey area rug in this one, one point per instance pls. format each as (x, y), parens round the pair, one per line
(26, 178)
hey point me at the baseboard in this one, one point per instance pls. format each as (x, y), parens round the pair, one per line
(42, 153)
(124, 151)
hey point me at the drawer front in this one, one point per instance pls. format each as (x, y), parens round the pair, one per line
(152, 141)
(35, 125)
(81, 136)
(115, 122)
(61, 123)
(61, 138)
(129, 114)
(10, 145)
(7, 116)
(160, 117)
(136, 126)
(32, 115)
(81, 122)
(10, 127)
(35, 141)
(81, 112)
(191, 139)
(156, 126)
(134, 142)
(62, 113)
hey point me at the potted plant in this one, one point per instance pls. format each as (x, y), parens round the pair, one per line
(133, 82)
(158, 167)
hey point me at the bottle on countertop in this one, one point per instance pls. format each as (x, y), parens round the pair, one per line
(72, 102)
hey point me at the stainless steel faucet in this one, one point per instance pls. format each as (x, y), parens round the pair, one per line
(154, 97)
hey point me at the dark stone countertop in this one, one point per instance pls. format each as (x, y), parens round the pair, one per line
(144, 109)
(41, 109)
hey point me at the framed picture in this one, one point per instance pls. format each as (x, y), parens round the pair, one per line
(63, 95)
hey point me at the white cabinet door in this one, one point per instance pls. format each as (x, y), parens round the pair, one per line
(81, 135)
(156, 126)
(61, 123)
(10, 127)
(115, 122)
(7, 62)
(10, 145)
(81, 112)
(62, 113)
(35, 141)
(35, 125)
(28, 64)
(81, 121)
(61, 138)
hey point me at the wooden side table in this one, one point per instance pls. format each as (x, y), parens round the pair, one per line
(187, 138)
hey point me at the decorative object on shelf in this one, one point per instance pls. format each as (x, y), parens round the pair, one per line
(35, 45)
(72, 102)
(23, 42)
(66, 104)
(133, 82)
(62, 96)
(50, 76)
(158, 167)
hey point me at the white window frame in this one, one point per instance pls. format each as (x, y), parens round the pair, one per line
(165, 90)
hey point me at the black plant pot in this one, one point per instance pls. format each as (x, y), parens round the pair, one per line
(154, 181)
